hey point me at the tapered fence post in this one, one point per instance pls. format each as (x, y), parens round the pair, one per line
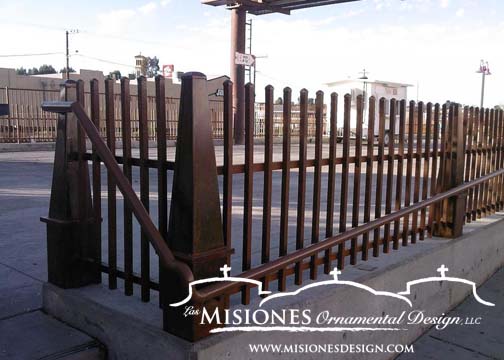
(195, 233)
(453, 209)
(72, 252)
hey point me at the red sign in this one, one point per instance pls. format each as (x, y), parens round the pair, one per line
(168, 71)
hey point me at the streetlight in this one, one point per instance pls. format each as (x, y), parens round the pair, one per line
(364, 78)
(484, 70)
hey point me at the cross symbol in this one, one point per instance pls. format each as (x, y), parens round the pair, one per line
(442, 270)
(335, 273)
(225, 270)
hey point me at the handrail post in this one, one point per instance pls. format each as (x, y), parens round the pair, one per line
(195, 233)
(453, 208)
(71, 252)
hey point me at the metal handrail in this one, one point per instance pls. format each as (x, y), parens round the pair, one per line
(263, 270)
(165, 254)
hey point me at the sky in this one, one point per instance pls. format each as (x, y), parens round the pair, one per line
(437, 44)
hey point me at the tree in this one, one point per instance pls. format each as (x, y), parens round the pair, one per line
(132, 76)
(46, 69)
(152, 66)
(23, 71)
(63, 71)
(279, 101)
(116, 74)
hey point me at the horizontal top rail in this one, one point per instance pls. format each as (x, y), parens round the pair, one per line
(60, 107)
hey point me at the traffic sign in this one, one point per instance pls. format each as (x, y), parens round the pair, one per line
(244, 59)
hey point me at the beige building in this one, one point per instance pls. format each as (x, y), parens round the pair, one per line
(28, 123)
(51, 82)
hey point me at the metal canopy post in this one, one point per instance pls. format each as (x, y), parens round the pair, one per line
(238, 28)
(239, 9)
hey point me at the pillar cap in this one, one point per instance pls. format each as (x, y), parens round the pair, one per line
(193, 75)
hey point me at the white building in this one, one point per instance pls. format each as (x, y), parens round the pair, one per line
(377, 88)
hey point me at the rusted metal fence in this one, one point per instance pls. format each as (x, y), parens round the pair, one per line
(450, 170)
(28, 123)
(278, 128)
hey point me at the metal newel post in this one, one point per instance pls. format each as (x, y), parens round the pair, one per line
(453, 211)
(71, 251)
(195, 233)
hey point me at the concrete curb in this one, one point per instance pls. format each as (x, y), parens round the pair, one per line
(474, 256)
(50, 146)
(26, 147)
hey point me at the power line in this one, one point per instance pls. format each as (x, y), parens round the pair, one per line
(24, 23)
(26, 55)
(140, 41)
(104, 61)
(152, 41)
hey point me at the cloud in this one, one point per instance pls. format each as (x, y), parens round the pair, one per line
(444, 3)
(302, 51)
(429, 53)
(148, 8)
(115, 21)
(460, 12)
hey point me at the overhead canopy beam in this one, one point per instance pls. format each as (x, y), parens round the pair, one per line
(262, 7)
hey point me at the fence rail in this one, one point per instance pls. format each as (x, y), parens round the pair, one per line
(449, 171)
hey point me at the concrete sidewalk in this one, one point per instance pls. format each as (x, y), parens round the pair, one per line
(25, 331)
(28, 333)
(485, 341)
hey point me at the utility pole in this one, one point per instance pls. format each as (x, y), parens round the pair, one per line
(67, 32)
(248, 69)
(252, 77)
(484, 70)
